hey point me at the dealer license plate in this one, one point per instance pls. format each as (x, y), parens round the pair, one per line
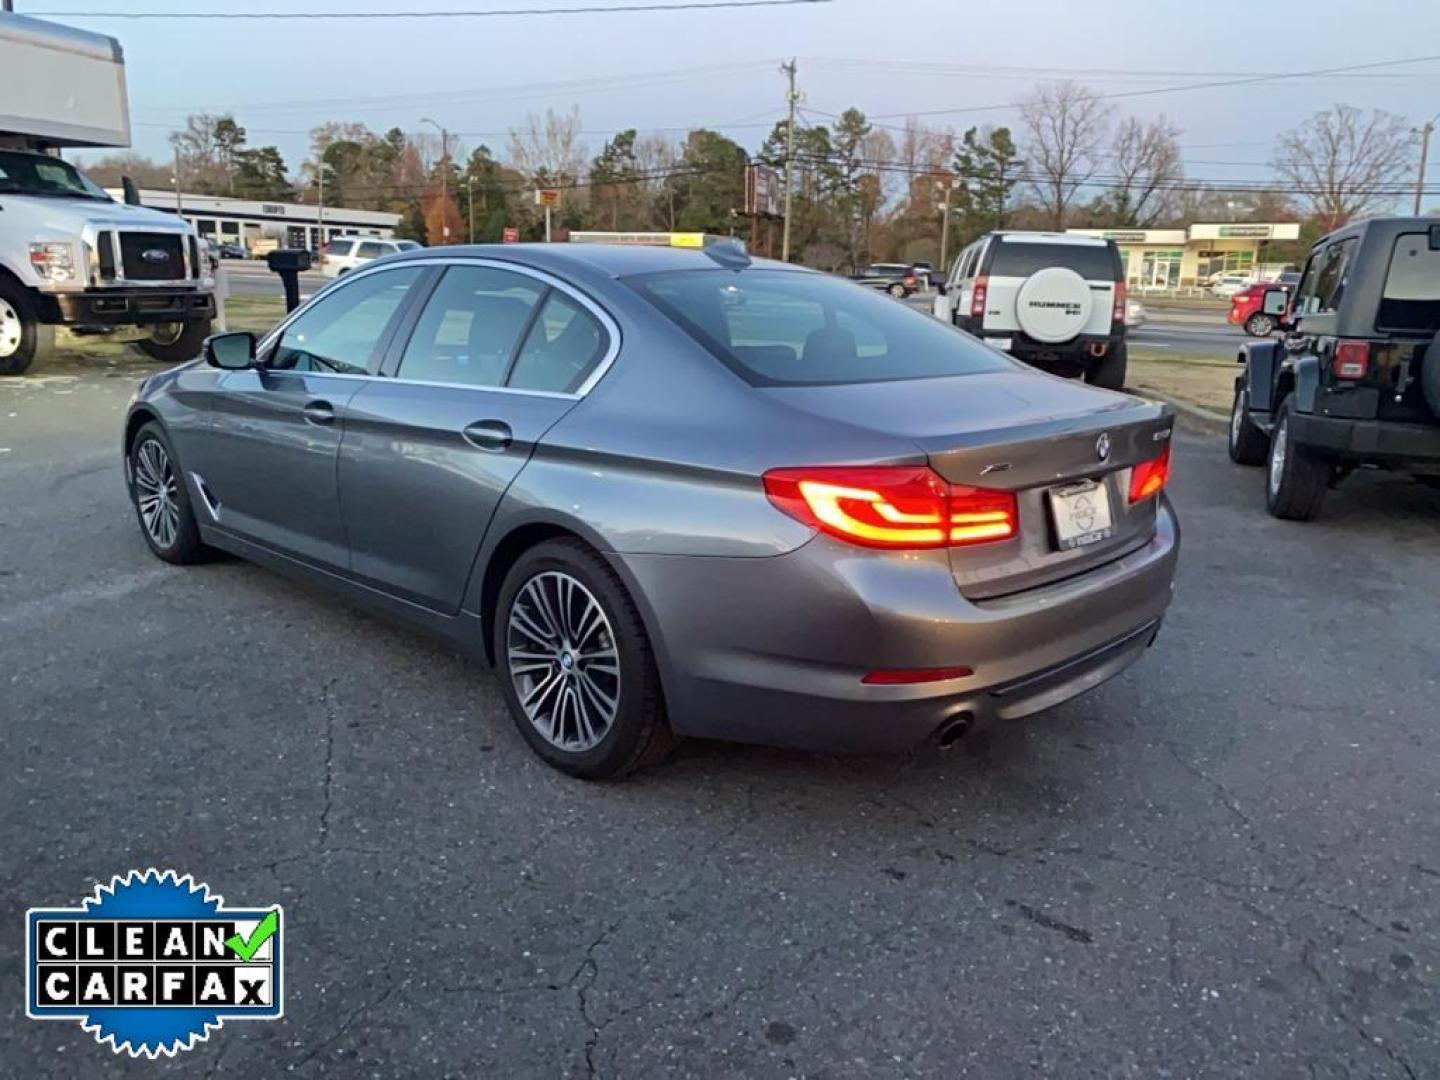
(1081, 513)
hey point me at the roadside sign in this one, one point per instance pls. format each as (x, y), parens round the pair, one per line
(547, 197)
(510, 236)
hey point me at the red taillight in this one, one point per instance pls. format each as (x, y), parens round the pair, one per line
(893, 506)
(910, 676)
(1149, 477)
(909, 281)
(1352, 359)
(1118, 315)
(977, 298)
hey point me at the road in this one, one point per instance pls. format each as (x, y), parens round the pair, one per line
(1224, 863)
(1189, 333)
(254, 278)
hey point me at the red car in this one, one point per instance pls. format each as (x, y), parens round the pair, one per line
(1245, 306)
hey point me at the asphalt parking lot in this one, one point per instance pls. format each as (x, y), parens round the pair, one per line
(1225, 863)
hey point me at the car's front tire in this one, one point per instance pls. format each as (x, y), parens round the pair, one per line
(1248, 445)
(174, 343)
(161, 501)
(1109, 371)
(1295, 483)
(897, 291)
(576, 666)
(24, 339)
(1260, 325)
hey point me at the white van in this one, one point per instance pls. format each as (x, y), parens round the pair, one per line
(345, 253)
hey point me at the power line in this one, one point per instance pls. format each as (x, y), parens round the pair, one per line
(592, 9)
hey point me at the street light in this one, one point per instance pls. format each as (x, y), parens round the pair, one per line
(444, 176)
(947, 189)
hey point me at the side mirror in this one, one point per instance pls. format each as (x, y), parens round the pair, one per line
(1274, 302)
(230, 352)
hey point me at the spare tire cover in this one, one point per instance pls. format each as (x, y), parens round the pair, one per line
(1430, 376)
(1054, 305)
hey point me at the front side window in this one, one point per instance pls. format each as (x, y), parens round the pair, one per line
(470, 327)
(779, 328)
(341, 332)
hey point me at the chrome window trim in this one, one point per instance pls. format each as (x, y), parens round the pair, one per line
(610, 326)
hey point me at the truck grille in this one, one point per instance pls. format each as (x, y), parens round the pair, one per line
(152, 256)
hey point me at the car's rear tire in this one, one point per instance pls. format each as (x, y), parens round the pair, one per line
(1109, 370)
(1248, 444)
(1295, 483)
(576, 666)
(1260, 325)
(161, 500)
(24, 340)
(1430, 377)
(174, 343)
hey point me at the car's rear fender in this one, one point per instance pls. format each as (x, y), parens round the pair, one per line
(1262, 360)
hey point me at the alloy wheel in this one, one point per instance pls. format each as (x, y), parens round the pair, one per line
(563, 662)
(1278, 449)
(11, 330)
(157, 493)
(167, 333)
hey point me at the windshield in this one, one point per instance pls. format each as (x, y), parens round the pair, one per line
(782, 328)
(39, 174)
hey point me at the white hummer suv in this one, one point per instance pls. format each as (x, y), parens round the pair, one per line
(72, 256)
(1053, 300)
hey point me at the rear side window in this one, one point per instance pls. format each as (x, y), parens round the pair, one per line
(1410, 302)
(1325, 279)
(470, 327)
(782, 328)
(562, 348)
(339, 247)
(371, 250)
(1092, 262)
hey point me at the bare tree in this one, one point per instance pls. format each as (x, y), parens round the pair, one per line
(1346, 163)
(548, 148)
(1145, 159)
(1066, 125)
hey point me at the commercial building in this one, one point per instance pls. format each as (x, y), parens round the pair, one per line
(1181, 258)
(294, 225)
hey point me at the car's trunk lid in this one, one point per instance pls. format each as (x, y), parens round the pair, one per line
(1024, 432)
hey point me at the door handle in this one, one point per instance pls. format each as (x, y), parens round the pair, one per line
(489, 434)
(319, 412)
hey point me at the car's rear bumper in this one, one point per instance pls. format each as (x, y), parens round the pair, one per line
(128, 307)
(1369, 440)
(774, 650)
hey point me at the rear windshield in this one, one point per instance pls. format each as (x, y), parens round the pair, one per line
(1411, 300)
(784, 328)
(1013, 258)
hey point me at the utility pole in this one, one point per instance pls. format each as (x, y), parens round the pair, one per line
(470, 204)
(320, 205)
(945, 227)
(793, 97)
(1424, 133)
(444, 178)
(178, 209)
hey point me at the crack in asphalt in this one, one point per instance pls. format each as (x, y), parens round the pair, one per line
(1337, 1009)
(328, 699)
(349, 1021)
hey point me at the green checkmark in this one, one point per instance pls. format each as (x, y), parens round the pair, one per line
(245, 949)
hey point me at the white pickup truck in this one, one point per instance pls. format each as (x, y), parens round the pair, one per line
(69, 254)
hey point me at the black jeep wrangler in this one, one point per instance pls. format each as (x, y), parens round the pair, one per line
(1354, 381)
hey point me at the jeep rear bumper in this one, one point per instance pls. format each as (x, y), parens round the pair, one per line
(1380, 441)
(126, 307)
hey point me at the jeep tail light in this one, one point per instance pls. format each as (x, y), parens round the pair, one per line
(1149, 477)
(1352, 359)
(1118, 315)
(903, 506)
(977, 298)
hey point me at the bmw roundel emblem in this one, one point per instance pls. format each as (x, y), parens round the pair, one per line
(1102, 446)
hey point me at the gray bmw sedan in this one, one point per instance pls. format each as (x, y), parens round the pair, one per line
(673, 493)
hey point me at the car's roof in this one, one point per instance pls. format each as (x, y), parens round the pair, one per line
(1050, 238)
(615, 260)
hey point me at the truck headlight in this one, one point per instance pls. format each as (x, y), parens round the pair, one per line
(54, 262)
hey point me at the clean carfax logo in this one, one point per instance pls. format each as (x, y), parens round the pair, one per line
(152, 962)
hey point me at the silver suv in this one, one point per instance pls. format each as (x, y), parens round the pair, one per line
(1050, 299)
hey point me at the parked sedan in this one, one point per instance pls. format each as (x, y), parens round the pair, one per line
(674, 493)
(898, 279)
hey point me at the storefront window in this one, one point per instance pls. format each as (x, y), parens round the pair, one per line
(1160, 269)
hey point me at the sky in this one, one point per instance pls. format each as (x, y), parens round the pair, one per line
(720, 68)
